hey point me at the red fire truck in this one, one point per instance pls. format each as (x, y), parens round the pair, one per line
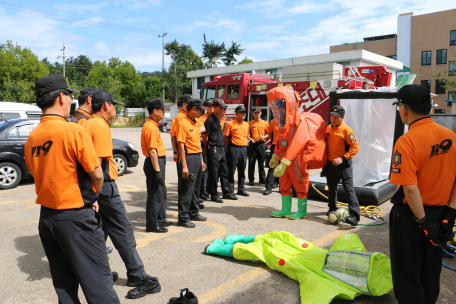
(250, 89)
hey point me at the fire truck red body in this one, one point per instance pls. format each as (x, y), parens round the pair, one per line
(250, 89)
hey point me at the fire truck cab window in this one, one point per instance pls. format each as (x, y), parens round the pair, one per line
(209, 92)
(221, 90)
(233, 91)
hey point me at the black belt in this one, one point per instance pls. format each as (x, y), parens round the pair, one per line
(211, 146)
(193, 153)
(233, 145)
(161, 157)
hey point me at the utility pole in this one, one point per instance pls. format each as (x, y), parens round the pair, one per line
(63, 58)
(163, 61)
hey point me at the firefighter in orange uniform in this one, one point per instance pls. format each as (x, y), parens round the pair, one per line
(208, 104)
(182, 105)
(84, 112)
(301, 146)
(257, 149)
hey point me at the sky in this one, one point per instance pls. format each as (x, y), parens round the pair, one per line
(129, 29)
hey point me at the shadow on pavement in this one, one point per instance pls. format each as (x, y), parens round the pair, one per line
(32, 263)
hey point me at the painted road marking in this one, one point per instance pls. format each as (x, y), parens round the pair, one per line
(127, 188)
(150, 237)
(19, 225)
(219, 231)
(258, 272)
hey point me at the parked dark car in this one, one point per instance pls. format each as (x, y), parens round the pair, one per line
(165, 124)
(14, 134)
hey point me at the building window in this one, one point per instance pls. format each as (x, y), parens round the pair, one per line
(453, 38)
(451, 96)
(452, 69)
(426, 58)
(199, 82)
(392, 57)
(271, 72)
(427, 84)
(439, 87)
(344, 63)
(212, 78)
(439, 111)
(441, 56)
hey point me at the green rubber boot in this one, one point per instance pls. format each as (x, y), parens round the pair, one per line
(219, 247)
(286, 207)
(236, 238)
(302, 209)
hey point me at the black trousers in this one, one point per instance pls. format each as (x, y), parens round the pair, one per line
(257, 152)
(204, 175)
(415, 263)
(117, 225)
(237, 159)
(187, 191)
(156, 194)
(75, 247)
(342, 172)
(270, 178)
(217, 167)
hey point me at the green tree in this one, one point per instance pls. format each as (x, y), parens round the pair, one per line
(103, 77)
(245, 60)
(448, 77)
(235, 49)
(19, 70)
(212, 52)
(152, 87)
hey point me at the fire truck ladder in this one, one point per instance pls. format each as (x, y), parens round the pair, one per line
(355, 75)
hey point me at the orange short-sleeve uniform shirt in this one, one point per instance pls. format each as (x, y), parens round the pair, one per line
(239, 132)
(189, 134)
(341, 142)
(257, 128)
(59, 154)
(272, 129)
(81, 116)
(98, 129)
(151, 139)
(425, 156)
(175, 123)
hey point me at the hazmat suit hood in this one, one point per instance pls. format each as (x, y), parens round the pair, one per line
(284, 104)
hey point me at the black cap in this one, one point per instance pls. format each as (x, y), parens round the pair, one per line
(256, 109)
(184, 98)
(414, 94)
(337, 111)
(220, 103)
(194, 103)
(240, 108)
(208, 103)
(51, 83)
(156, 103)
(101, 96)
(89, 90)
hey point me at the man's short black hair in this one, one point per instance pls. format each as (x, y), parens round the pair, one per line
(47, 100)
(97, 105)
(83, 98)
(420, 109)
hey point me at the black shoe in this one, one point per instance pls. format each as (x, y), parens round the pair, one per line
(294, 195)
(115, 276)
(136, 281)
(166, 224)
(187, 298)
(267, 191)
(330, 211)
(251, 183)
(157, 229)
(206, 194)
(243, 193)
(198, 218)
(230, 196)
(186, 224)
(217, 200)
(275, 185)
(108, 249)
(262, 182)
(200, 206)
(203, 196)
(144, 287)
(351, 219)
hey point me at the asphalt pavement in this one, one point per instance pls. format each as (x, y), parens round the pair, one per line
(177, 257)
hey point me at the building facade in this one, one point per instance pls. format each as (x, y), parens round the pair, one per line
(426, 44)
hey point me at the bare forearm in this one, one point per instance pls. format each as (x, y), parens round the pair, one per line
(154, 159)
(174, 143)
(412, 193)
(96, 178)
(226, 139)
(182, 155)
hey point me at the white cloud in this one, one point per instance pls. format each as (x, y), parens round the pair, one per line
(80, 8)
(88, 22)
(267, 6)
(137, 4)
(274, 28)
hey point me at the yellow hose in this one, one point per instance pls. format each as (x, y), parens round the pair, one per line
(368, 211)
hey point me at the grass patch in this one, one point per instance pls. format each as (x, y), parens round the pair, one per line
(129, 126)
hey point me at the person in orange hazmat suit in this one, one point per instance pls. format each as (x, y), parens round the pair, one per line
(301, 146)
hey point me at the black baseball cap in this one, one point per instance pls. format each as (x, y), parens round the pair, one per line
(240, 108)
(89, 90)
(51, 83)
(195, 103)
(220, 103)
(337, 111)
(101, 96)
(184, 98)
(256, 109)
(208, 103)
(156, 103)
(414, 94)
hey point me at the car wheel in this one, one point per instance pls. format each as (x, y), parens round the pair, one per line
(121, 163)
(10, 175)
(165, 128)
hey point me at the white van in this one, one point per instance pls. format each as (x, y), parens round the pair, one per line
(14, 110)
